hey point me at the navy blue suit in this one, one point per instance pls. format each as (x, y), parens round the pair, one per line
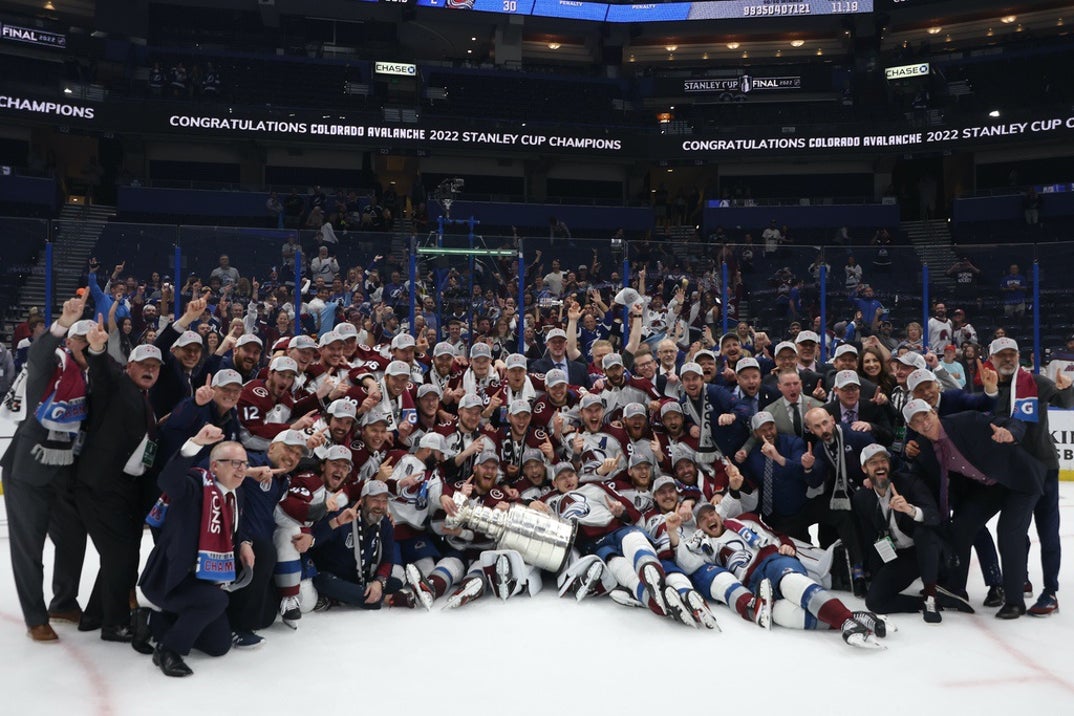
(193, 611)
(789, 482)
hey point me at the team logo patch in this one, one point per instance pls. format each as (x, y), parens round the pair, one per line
(1025, 409)
(261, 392)
(574, 506)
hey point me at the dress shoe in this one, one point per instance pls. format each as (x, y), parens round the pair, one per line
(122, 634)
(1011, 611)
(1027, 588)
(88, 623)
(1046, 605)
(140, 625)
(995, 597)
(71, 616)
(169, 662)
(42, 633)
(949, 599)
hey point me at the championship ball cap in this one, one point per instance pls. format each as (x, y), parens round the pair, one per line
(427, 388)
(871, 450)
(804, 336)
(342, 408)
(227, 376)
(670, 407)
(294, 438)
(704, 353)
(690, 368)
(487, 456)
(611, 359)
(338, 452)
(844, 349)
(760, 418)
(664, 480)
(562, 467)
(346, 330)
(519, 406)
(432, 441)
(554, 377)
(847, 377)
(376, 416)
(532, 454)
(301, 342)
(281, 364)
(480, 350)
(516, 360)
(701, 507)
(556, 333)
(641, 457)
(248, 338)
(372, 488)
(634, 410)
(785, 346)
(912, 359)
(329, 338)
(81, 328)
(187, 338)
(591, 400)
(682, 452)
(397, 367)
(914, 407)
(147, 352)
(402, 342)
(471, 401)
(744, 363)
(919, 376)
(1002, 344)
(443, 348)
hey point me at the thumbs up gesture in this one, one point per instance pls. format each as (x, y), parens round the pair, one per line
(808, 459)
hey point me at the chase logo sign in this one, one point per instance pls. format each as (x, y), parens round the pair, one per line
(395, 68)
(904, 71)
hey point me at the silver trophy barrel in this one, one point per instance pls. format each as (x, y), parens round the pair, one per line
(541, 539)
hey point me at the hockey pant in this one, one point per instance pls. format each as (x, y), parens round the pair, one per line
(801, 602)
(419, 551)
(626, 552)
(717, 583)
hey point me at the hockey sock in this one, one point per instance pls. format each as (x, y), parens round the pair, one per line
(680, 582)
(791, 616)
(816, 600)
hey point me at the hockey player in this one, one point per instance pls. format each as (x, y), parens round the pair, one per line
(464, 440)
(556, 407)
(408, 505)
(265, 406)
(599, 449)
(753, 553)
(533, 481)
(518, 436)
(619, 388)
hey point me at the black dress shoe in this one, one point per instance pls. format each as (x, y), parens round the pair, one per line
(140, 624)
(950, 599)
(117, 633)
(995, 597)
(1011, 611)
(170, 663)
(88, 623)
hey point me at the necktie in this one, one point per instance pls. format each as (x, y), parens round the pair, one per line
(943, 454)
(150, 418)
(766, 504)
(796, 416)
(233, 513)
(850, 416)
(188, 387)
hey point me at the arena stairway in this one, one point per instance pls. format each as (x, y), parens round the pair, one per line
(933, 245)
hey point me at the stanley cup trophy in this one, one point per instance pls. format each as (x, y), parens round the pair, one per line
(542, 540)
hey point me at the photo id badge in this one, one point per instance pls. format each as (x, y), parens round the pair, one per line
(150, 453)
(885, 547)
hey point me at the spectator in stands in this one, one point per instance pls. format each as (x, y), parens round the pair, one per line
(36, 327)
(965, 275)
(1013, 288)
(971, 358)
(225, 272)
(275, 209)
(23, 330)
(913, 340)
(853, 276)
(882, 260)
(771, 237)
(324, 266)
(962, 331)
(815, 267)
(178, 83)
(953, 366)
(941, 330)
(873, 365)
(1031, 206)
(156, 79)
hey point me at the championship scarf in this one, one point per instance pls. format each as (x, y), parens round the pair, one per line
(216, 547)
(840, 499)
(61, 411)
(399, 408)
(485, 387)
(1023, 395)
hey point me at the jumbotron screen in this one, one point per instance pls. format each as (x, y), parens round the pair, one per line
(659, 12)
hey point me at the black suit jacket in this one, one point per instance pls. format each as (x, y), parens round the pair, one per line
(174, 556)
(1007, 463)
(577, 373)
(879, 416)
(871, 520)
(118, 421)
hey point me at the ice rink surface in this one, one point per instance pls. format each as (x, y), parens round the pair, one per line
(546, 655)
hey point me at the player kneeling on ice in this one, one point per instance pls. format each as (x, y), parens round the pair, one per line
(464, 549)
(354, 555)
(309, 498)
(607, 528)
(754, 554)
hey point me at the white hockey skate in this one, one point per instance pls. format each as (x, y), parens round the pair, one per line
(504, 584)
(623, 597)
(858, 635)
(471, 588)
(703, 616)
(762, 605)
(291, 611)
(421, 587)
(664, 599)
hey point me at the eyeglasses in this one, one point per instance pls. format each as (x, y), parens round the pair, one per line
(234, 462)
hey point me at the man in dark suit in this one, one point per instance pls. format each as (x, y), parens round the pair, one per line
(786, 357)
(751, 391)
(974, 464)
(120, 446)
(853, 410)
(923, 384)
(192, 606)
(788, 410)
(556, 357)
(38, 469)
(181, 349)
(846, 358)
(898, 518)
(780, 470)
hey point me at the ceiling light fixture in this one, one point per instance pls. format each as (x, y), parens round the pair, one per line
(553, 45)
(934, 30)
(797, 43)
(671, 48)
(1008, 19)
(733, 45)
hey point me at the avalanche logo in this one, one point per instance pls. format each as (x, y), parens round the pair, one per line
(460, 4)
(1025, 409)
(416, 495)
(574, 506)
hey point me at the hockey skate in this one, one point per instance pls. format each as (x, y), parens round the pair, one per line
(403, 598)
(503, 582)
(586, 584)
(873, 622)
(761, 605)
(623, 597)
(664, 599)
(858, 635)
(422, 589)
(471, 588)
(290, 611)
(703, 616)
